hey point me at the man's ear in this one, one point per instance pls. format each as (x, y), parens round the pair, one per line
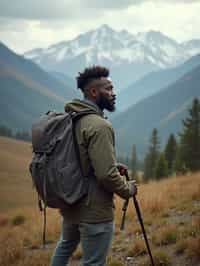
(94, 92)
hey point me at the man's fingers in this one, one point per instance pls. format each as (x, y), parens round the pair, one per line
(133, 187)
(134, 182)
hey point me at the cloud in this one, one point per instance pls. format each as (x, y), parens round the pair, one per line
(68, 9)
(37, 9)
(8, 25)
(111, 4)
(27, 31)
(123, 4)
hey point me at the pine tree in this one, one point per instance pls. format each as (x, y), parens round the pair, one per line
(5, 131)
(23, 135)
(170, 153)
(124, 160)
(179, 165)
(161, 167)
(190, 138)
(134, 162)
(152, 156)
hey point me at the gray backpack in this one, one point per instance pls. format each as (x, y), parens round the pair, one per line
(55, 167)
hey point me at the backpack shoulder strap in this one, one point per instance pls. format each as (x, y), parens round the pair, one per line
(77, 115)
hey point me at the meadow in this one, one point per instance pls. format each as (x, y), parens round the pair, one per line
(170, 209)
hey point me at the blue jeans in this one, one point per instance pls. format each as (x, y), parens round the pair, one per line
(95, 240)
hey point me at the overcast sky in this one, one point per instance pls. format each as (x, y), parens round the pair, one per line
(28, 24)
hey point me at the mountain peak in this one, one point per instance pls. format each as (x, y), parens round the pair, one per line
(104, 30)
(105, 27)
(153, 35)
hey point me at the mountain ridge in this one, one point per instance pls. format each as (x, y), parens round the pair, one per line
(27, 91)
(128, 56)
(163, 110)
(154, 82)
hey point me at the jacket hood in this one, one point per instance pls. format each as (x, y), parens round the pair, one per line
(77, 105)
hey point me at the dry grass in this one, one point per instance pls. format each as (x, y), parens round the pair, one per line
(166, 235)
(39, 258)
(114, 262)
(160, 259)
(181, 246)
(3, 220)
(16, 185)
(190, 246)
(137, 249)
(170, 209)
(196, 225)
(192, 230)
(193, 248)
(11, 248)
(16, 238)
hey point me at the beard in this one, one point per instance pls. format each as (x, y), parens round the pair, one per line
(105, 103)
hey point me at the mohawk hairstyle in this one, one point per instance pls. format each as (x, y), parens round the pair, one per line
(89, 74)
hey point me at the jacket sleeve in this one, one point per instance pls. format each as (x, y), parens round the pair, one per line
(102, 155)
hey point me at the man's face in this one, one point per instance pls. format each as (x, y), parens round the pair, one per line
(106, 98)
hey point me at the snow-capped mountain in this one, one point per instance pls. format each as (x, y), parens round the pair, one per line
(128, 56)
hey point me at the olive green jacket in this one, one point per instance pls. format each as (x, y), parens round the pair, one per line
(95, 138)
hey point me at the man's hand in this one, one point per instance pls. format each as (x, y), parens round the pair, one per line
(133, 187)
(122, 168)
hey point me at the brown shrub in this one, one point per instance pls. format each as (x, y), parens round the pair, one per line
(181, 246)
(160, 259)
(195, 195)
(196, 224)
(193, 248)
(18, 219)
(3, 220)
(137, 249)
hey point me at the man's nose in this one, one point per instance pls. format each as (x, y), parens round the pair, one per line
(114, 94)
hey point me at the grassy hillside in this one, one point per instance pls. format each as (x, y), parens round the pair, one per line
(170, 210)
(16, 185)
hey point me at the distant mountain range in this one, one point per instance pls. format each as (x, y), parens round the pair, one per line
(153, 82)
(128, 56)
(27, 91)
(63, 78)
(164, 110)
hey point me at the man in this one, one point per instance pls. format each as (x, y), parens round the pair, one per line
(91, 221)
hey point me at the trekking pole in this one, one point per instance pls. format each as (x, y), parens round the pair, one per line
(126, 202)
(141, 223)
(124, 209)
